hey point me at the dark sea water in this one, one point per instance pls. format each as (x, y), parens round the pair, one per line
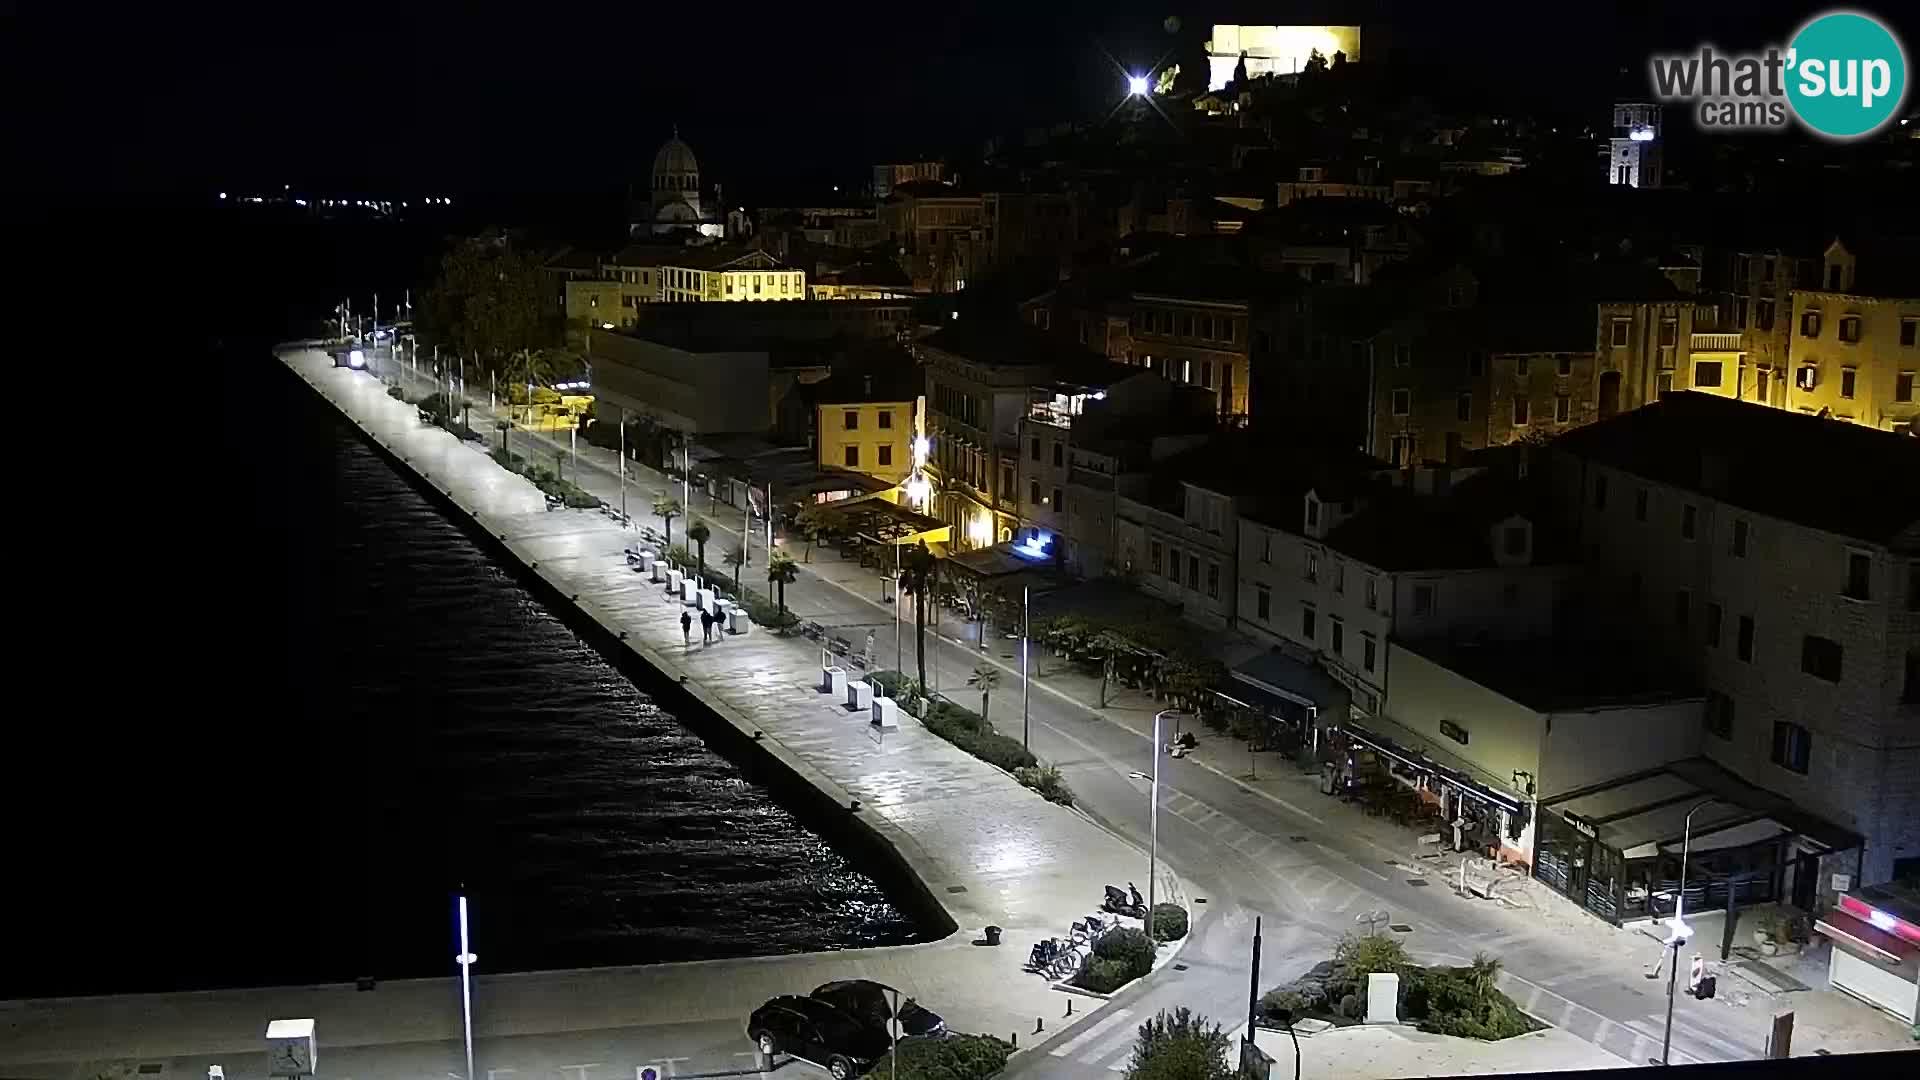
(305, 707)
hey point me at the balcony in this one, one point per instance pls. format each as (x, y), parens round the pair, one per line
(1715, 342)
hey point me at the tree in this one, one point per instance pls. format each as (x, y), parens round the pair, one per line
(531, 368)
(782, 571)
(1109, 645)
(735, 557)
(667, 508)
(489, 299)
(985, 678)
(811, 521)
(699, 534)
(917, 570)
(1178, 1045)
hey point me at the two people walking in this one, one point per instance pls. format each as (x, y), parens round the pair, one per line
(706, 627)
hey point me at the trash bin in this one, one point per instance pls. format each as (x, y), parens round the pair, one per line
(993, 935)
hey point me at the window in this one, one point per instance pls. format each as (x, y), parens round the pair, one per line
(1033, 492)
(1403, 354)
(1206, 374)
(1682, 607)
(1401, 402)
(1313, 513)
(1743, 644)
(850, 420)
(1909, 333)
(1763, 314)
(1599, 493)
(1621, 328)
(1034, 451)
(886, 454)
(1521, 365)
(1719, 715)
(1792, 746)
(1312, 570)
(1339, 578)
(1339, 631)
(1153, 556)
(1689, 521)
(1859, 576)
(1059, 455)
(1006, 482)
(1562, 408)
(1263, 603)
(1740, 539)
(1713, 625)
(1213, 581)
(1810, 324)
(1373, 593)
(886, 419)
(1706, 373)
(1564, 366)
(853, 457)
(1463, 407)
(1453, 731)
(1850, 329)
(1766, 268)
(1266, 548)
(1059, 501)
(1186, 326)
(1662, 385)
(1669, 331)
(1423, 599)
(1847, 378)
(1306, 622)
(1520, 412)
(1368, 646)
(1193, 572)
(1903, 385)
(1807, 376)
(1173, 565)
(1640, 505)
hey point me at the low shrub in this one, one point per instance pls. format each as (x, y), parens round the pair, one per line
(1364, 954)
(1169, 922)
(1103, 976)
(1350, 1006)
(1046, 780)
(678, 556)
(1274, 1003)
(1126, 944)
(507, 459)
(956, 1057)
(766, 613)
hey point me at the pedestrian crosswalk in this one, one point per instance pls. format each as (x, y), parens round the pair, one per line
(1106, 1043)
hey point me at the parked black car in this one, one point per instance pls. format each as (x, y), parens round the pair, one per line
(815, 1031)
(871, 1004)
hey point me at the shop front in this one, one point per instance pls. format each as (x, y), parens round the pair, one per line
(1280, 702)
(1876, 948)
(1389, 774)
(1615, 848)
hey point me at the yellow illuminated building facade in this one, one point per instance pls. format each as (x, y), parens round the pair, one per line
(1854, 356)
(1274, 50)
(755, 275)
(873, 437)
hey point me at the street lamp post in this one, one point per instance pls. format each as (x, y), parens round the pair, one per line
(1153, 820)
(466, 960)
(898, 660)
(1026, 681)
(1677, 931)
(623, 467)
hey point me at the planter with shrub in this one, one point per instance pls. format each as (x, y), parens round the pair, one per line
(1169, 922)
(1458, 1001)
(956, 1057)
(1120, 956)
(1046, 780)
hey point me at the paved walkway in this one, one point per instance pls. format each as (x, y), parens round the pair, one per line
(990, 851)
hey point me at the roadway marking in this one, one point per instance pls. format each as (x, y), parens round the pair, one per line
(1092, 1033)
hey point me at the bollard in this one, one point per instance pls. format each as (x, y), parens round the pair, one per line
(1039, 1025)
(1015, 1040)
(1069, 1006)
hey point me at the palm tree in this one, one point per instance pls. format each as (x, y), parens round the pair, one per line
(985, 677)
(809, 521)
(735, 557)
(700, 534)
(782, 571)
(668, 508)
(917, 575)
(530, 368)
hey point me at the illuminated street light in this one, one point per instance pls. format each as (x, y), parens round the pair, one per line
(1137, 85)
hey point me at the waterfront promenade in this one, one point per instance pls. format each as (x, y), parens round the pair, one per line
(987, 850)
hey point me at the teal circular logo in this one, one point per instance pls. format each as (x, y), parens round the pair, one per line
(1846, 75)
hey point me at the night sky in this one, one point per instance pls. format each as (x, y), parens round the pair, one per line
(567, 97)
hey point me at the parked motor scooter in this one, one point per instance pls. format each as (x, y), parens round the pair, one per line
(1126, 903)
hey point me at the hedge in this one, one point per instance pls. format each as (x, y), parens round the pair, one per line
(1120, 956)
(1169, 922)
(956, 1057)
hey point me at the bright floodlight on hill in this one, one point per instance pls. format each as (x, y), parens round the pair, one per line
(1137, 85)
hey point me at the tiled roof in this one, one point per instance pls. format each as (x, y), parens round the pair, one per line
(1825, 474)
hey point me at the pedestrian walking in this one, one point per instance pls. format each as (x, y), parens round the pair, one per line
(706, 627)
(686, 628)
(869, 648)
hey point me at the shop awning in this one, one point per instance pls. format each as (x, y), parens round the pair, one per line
(1286, 686)
(1866, 937)
(1424, 763)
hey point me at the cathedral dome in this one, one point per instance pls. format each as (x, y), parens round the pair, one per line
(675, 168)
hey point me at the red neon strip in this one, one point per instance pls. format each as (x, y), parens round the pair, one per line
(1887, 921)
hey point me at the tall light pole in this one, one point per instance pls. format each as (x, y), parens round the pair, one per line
(623, 466)
(1678, 931)
(466, 960)
(1153, 819)
(898, 660)
(1026, 681)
